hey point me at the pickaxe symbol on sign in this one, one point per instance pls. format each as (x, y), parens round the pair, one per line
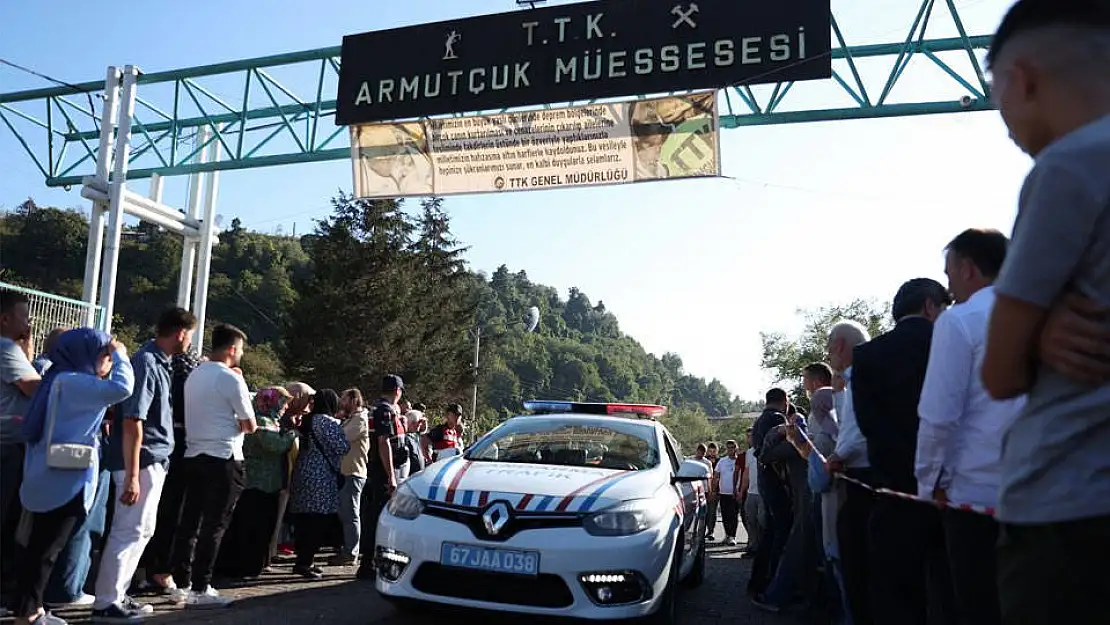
(684, 16)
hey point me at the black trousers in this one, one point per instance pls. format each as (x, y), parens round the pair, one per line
(970, 540)
(48, 534)
(11, 476)
(730, 514)
(245, 549)
(156, 556)
(212, 488)
(1055, 574)
(910, 581)
(780, 518)
(312, 531)
(853, 543)
(375, 496)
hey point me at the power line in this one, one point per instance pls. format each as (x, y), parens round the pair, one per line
(57, 81)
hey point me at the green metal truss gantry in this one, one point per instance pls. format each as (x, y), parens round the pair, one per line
(278, 110)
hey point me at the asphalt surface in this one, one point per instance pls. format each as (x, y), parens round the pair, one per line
(341, 600)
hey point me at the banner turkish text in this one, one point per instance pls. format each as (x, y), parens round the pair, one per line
(597, 144)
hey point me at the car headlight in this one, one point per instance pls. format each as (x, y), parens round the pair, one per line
(627, 518)
(404, 504)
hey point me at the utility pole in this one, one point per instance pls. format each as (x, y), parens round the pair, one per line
(477, 348)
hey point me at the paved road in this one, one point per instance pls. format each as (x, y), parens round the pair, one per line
(338, 599)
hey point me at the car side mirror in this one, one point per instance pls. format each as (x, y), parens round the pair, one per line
(692, 471)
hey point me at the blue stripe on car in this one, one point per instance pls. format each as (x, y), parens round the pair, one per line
(433, 491)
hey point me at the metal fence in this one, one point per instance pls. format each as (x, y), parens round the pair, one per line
(50, 311)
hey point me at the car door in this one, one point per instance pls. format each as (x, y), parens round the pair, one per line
(688, 502)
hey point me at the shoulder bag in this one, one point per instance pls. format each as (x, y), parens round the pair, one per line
(340, 479)
(64, 456)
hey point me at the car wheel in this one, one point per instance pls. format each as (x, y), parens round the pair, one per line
(667, 612)
(697, 572)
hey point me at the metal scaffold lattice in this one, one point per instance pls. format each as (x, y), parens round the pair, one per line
(257, 120)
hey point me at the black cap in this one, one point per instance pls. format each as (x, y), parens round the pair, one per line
(392, 383)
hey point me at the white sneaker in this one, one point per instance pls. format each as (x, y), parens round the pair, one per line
(208, 600)
(84, 600)
(178, 594)
(142, 608)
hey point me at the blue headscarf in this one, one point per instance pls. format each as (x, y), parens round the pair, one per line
(77, 351)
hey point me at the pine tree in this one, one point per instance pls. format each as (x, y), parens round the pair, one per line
(443, 308)
(348, 327)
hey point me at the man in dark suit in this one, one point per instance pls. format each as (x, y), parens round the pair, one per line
(906, 548)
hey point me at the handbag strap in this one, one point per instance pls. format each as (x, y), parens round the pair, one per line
(320, 448)
(52, 409)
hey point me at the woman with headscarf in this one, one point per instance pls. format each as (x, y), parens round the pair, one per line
(245, 551)
(90, 372)
(317, 478)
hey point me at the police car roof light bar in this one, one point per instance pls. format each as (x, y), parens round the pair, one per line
(548, 406)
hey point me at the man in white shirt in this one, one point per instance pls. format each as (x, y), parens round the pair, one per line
(754, 514)
(218, 413)
(959, 438)
(726, 474)
(850, 458)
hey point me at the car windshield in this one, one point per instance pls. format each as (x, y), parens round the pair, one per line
(576, 442)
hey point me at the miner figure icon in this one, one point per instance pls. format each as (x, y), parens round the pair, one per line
(452, 38)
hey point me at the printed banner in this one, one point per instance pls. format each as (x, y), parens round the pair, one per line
(597, 144)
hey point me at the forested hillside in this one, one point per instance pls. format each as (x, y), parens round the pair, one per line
(378, 286)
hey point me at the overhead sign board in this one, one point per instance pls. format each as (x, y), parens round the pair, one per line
(582, 51)
(597, 144)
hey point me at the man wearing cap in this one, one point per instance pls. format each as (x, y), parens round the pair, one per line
(388, 459)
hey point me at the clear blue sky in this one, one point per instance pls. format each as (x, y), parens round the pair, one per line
(813, 214)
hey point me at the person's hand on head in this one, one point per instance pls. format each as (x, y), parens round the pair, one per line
(299, 405)
(118, 347)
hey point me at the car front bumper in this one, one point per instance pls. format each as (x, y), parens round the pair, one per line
(566, 556)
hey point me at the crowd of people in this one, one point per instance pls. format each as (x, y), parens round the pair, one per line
(956, 469)
(167, 471)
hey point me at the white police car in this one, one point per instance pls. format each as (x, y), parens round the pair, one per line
(581, 510)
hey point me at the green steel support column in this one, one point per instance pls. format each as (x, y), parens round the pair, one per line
(267, 119)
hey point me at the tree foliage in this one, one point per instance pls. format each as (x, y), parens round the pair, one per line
(787, 357)
(380, 286)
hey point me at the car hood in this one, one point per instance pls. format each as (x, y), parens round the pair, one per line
(530, 487)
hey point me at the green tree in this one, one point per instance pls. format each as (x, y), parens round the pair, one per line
(375, 289)
(787, 357)
(348, 326)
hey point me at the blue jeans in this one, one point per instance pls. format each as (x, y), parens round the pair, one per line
(71, 571)
(350, 505)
